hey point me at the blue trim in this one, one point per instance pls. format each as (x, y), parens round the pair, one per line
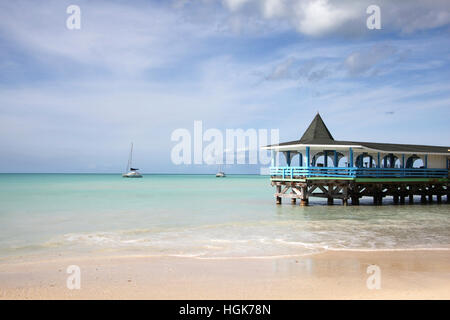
(308, 160)
(300, 159)
(325, 159)
(379, 161)
(350, 150)
(426, 162)
(288, 158)
(358, 172)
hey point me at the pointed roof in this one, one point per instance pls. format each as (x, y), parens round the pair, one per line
(317, 132)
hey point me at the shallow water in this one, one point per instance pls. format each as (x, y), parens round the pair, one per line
(197, 216)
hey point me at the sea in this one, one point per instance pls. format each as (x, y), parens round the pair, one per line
(197, 216)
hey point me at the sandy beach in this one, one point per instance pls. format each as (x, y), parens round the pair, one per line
(328, 275)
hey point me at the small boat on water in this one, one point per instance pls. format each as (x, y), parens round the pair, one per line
(131, 172)
(220, 173)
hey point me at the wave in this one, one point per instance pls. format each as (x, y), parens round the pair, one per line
(256, 239)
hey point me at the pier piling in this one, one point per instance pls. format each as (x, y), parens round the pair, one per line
(395, 199)
(293, 198)
(333, 189)
(423, 199)
(278, 194)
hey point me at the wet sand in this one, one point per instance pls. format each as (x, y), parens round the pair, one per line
(328, 275)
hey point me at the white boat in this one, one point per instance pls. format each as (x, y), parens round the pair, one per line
(220, 173)
(131, 172)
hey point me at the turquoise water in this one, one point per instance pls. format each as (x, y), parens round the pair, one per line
(196, 216)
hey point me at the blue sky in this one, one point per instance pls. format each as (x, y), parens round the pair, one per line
(73, 100)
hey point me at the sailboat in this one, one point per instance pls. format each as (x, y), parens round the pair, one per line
(220, 173)
(131, 172)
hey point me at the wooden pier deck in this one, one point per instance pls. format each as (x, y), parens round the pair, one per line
(353, 188)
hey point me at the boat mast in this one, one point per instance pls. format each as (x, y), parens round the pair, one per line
(131, 157)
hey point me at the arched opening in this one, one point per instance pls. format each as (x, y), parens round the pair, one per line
(340, 156)
(343, 161)
(414, 162)
(389, 161)
(318, 159)
(365, 161)
(297, 160)
(282, 160)
(418, 163)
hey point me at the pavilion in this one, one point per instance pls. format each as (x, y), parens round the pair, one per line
(351, 169)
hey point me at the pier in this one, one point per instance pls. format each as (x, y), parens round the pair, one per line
(347, 171)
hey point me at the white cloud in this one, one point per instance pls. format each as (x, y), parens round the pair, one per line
(273, 8)
(319, 17)
(119, 38)
(362, 61)
(283, 70)
(234, 5)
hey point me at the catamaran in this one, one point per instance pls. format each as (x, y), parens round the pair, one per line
(220, 173)
(131, 172)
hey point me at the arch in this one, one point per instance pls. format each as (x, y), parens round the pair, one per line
(389, 161)
(297, 159)
(343, 162)
(281, 160)
(289, 157)
(319, 158)
(414, 161)
(339, 157)
(364, 160)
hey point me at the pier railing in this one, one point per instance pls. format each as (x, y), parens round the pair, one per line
(355, 172)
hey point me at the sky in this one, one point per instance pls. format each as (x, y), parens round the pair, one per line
(73, 100)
